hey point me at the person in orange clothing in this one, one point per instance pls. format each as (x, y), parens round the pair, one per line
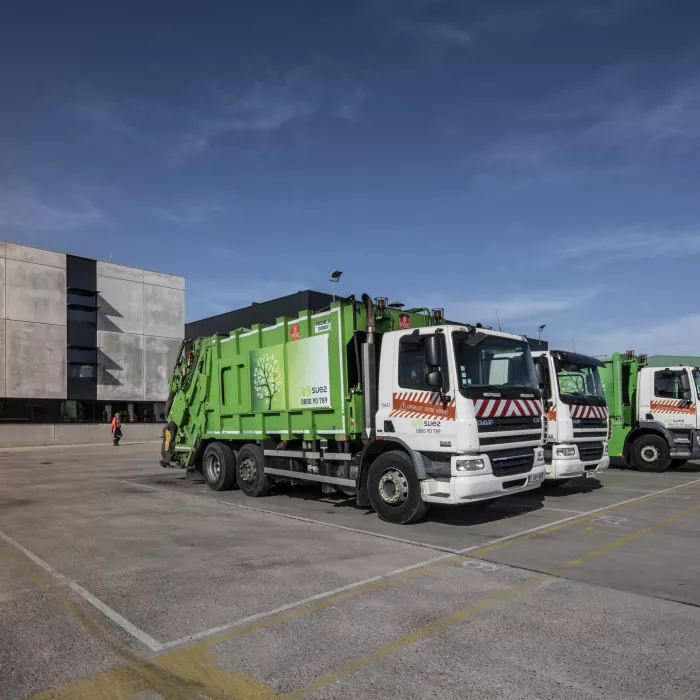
(116, 429)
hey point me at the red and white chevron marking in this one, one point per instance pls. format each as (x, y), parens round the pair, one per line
(505, 408)
(588, 411)
(671, 406)
(421, 404)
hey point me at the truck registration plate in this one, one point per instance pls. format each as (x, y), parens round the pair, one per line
(535, 477)
(590, 475)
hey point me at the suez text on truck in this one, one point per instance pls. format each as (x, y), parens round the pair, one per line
(398, 409)
(653, 412)
(576, 418)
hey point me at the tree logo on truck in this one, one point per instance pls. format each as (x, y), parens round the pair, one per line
(267, 380)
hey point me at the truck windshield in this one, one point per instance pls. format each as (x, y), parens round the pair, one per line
(696, 377)
(489, 363)
(579, 383)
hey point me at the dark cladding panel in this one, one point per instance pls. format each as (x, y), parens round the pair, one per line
(81, 314)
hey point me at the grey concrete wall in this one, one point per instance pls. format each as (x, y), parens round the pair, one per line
(120, 368)
(161, 354)
(33, 309)
(35, 293)
(163, 312)
(120, 306)
(76, 434)
(2, 357)
(35, 360)
(143, 304)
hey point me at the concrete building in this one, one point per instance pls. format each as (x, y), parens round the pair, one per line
(81, 339)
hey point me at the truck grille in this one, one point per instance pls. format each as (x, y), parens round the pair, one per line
(603, 432)
(512, 462)
(505, 439)
(487, 426)
(589, 451)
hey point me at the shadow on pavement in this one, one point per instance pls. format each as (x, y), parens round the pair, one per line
(573, 487)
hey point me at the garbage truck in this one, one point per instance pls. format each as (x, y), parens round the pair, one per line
(576, 416)
(395, 408)
(653, 412)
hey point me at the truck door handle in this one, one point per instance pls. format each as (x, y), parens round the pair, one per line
(388, 426)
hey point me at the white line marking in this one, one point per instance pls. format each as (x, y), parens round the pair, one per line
(86, 595)
(357, 584)
(298, 517)
(620, 488)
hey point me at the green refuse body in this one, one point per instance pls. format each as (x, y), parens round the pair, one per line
(295, 380)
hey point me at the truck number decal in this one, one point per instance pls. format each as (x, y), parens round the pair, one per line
(421, 404)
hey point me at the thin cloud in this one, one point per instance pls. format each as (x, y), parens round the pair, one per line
(452, 24)
(677, 336)
(266, 106)
(350, 105)
(513, 309)
(625, 244)
(104, 114)
(191, 215)
(22, 210)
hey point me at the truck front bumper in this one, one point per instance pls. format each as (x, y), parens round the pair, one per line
(482, 485)
(572, 467)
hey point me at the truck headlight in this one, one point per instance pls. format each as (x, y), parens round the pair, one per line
(470, 465)
(539, 455)
(566, 451)
(605, 448)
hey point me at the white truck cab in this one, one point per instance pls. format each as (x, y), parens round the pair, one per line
(576, 429)
(464, 400)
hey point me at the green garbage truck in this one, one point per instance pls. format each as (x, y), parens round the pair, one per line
(395, 408)
(653, 411)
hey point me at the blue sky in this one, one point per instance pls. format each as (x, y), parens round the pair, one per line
(539, 158)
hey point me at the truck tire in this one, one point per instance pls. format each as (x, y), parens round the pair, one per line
(649, 453)
(250, 473)
(394, 489)
(675, 463)
(219, 466)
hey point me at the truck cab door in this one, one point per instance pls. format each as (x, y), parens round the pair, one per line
(409, 409)
(670, 398)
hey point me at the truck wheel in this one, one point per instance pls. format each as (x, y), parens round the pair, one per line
(394, 489)
(219, 466)
(675, 463)
(649, 453)
(250, 473)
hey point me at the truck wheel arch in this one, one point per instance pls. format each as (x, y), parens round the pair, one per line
(377, 447)
(645, 429)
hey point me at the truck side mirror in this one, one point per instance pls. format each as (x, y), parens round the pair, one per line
(433, 351)
(540, 374)
(433, 380)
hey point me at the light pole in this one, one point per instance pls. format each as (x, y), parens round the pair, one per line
(334, 277)
(539, 333)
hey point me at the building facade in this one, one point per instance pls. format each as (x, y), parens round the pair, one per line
(81, 338)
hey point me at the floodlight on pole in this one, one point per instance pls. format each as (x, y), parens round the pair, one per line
(334, 277)
(539, 333)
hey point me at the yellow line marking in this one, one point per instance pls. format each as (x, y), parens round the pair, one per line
(434, 627)
(193, 655)
(176, 675)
